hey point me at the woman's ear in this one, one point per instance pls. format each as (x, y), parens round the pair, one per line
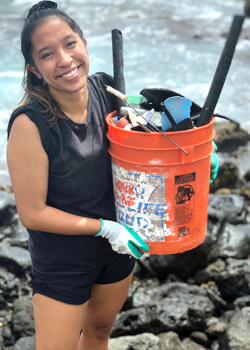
(84, 42)
(34, 71)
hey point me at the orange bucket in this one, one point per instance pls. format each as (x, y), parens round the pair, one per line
(160, 192)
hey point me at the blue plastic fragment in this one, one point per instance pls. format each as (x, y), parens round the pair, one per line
(179, 108)
(116, 119)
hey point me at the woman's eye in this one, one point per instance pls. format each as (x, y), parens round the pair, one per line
(46, 55)
(71, 43)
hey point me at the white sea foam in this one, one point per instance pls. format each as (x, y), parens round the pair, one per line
(167, 43)
(10, 74)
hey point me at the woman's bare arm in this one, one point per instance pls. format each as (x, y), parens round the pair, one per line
(29, 167)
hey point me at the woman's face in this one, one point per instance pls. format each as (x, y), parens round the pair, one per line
(60, 57)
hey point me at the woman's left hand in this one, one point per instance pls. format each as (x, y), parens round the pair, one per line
(214, 164)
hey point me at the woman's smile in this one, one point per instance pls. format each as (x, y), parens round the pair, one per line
(73, 73)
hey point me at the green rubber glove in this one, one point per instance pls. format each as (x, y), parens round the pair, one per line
(214, 164)
(123, 239)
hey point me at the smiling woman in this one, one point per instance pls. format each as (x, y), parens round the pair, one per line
(61, 175)
(61, 60)
(50, 38)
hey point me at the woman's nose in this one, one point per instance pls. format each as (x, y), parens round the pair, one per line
(64, 59)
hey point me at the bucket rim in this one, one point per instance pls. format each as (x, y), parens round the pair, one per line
(203, 127)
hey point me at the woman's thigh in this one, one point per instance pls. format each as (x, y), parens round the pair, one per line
(105, 302)
(57, 324)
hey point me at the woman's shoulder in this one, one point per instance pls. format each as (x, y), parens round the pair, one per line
(101, 77)
(29, 119)
(31, 109)
(97, 87)
(22, 125)
(27, 112)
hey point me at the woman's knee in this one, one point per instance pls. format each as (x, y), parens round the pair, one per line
(99, 331)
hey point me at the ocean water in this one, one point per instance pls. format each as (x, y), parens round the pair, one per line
(166, 43)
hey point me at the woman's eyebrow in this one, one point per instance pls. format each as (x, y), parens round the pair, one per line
(43, 49)
(68, 37)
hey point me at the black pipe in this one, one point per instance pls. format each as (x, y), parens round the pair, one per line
(119, 81)
(221, 71)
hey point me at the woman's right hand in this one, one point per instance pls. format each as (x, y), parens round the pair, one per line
(123, 239)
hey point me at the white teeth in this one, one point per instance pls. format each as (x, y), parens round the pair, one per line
(70, 74)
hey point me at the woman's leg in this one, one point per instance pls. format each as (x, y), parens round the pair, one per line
(105, 302)
(57, 324)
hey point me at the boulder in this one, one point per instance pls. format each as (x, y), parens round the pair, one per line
(174, 306)
(228, 176)
(230, 136)
(9, 286)
(200, 338)
(227, 207)
(143, 341)
(5, 181)
(236, 336)
(15, 259)
(7, 208)
(23, 319)
(242, 302)
(231, 277)
(230, 241)
(189, 344)
(223, 239)
(18, 236)
(25, 343)
(1, 338)
(138, 284)
(170, 341)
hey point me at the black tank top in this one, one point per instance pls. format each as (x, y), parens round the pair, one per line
(80, 179)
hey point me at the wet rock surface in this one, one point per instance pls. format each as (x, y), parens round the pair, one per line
(196, 300)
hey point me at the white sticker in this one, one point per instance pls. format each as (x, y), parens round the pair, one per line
(140, 202)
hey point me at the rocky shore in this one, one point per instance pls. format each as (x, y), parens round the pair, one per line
(195, 300)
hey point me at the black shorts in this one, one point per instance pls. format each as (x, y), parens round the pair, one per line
(75, 288)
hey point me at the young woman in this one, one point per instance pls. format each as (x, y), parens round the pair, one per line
(82, 260)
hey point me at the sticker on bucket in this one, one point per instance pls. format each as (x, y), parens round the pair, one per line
(184, 201)
(139, 201)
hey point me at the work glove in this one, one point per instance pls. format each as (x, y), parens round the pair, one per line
(214, 164)
(123, 239)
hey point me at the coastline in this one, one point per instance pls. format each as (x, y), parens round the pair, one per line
(199, 299)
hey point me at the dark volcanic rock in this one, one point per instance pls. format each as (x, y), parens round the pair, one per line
(228, 175)
(18, 236)
(173, 306)
(9, 286)
(227, 207)
(15, 259)
(242, 302)
(7, 208)
(25, 343)
(222, 240)
(143, 341)
(1, 339)
(230, 136)
(23, 320)
(230, 241)
(232, 277)
(236, 336)
(196, 300)
(170, 341)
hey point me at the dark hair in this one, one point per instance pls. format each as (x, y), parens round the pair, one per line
(33, 86)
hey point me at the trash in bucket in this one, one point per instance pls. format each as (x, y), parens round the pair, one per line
(160, 191)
